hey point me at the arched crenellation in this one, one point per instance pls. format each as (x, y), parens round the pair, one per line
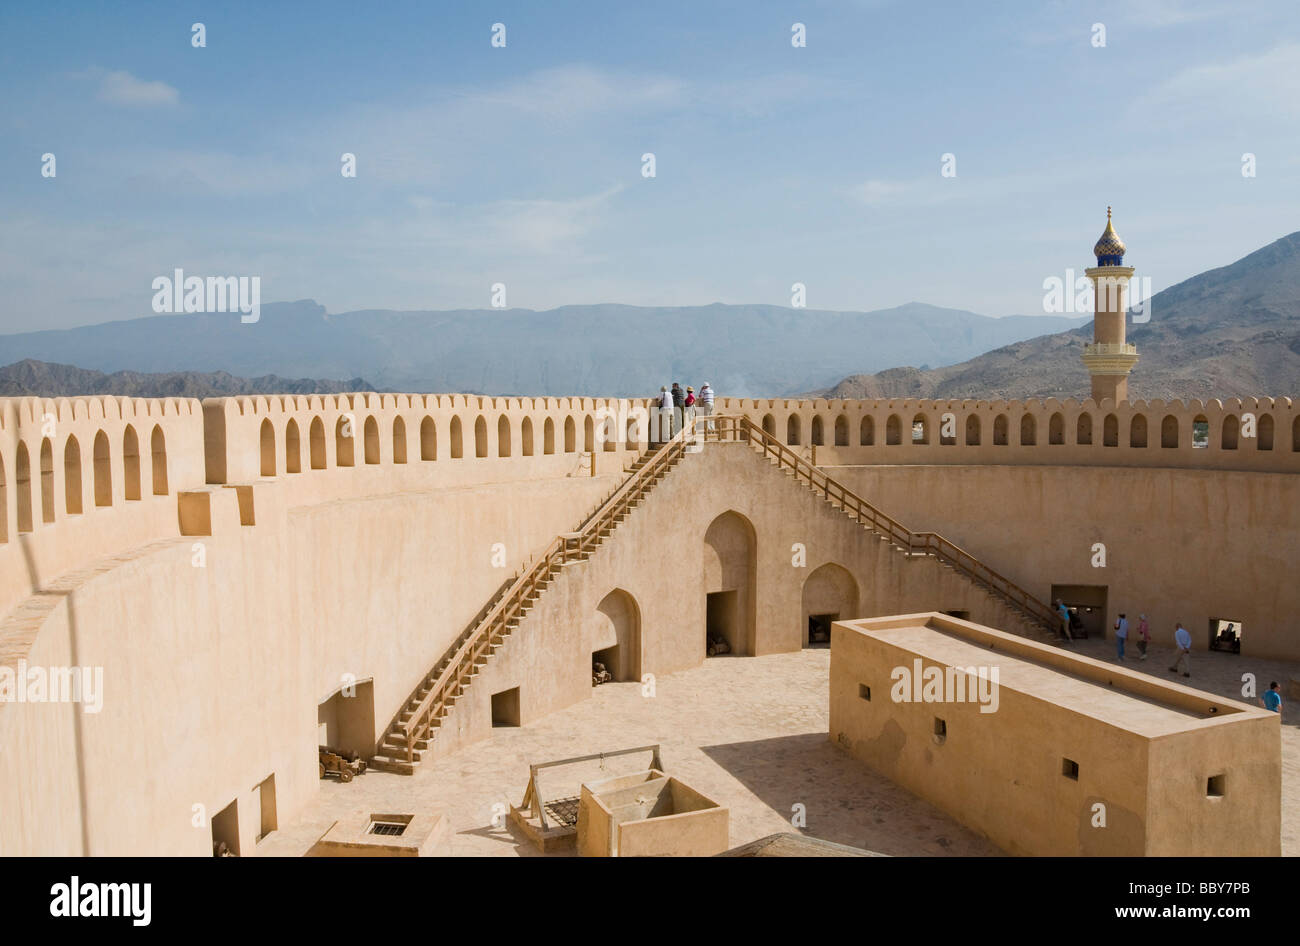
(266, 436)
(292, 447)
(399, 439)
(893, 431)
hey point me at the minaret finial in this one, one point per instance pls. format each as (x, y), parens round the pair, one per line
(1108, 213)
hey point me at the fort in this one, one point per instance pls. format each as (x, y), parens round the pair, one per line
(259, 576)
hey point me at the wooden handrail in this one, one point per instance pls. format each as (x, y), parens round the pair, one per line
(716, 428)
(561, 550)
(860, 509)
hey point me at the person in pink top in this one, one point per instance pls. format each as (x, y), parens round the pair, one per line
(1144, 636)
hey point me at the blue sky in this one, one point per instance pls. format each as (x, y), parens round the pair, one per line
(522, 164)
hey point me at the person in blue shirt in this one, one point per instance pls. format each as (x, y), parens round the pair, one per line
(1183, 640)
(1272, 700)
(1064, 612)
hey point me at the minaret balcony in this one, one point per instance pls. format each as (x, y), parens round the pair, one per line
(1107, 358)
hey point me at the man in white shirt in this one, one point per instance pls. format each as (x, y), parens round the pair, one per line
(665, 414)
(1184, 641)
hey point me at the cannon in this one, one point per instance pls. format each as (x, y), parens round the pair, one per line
(339, 763)
(718, 645)
(599, 674)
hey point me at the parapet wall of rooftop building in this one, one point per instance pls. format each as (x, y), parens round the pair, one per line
(1049, 753)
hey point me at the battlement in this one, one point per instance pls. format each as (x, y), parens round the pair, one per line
(65, 457)
(1255, 434)
(85, 477)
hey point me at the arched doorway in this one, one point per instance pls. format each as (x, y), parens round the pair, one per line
(616, 636)
(730, 566)
(830, 593)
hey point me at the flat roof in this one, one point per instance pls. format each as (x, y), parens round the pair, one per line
(1107, 692)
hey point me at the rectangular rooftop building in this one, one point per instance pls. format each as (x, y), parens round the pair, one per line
(1049, 753)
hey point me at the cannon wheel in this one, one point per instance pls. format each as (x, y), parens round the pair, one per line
(322, 770)
(345, 774)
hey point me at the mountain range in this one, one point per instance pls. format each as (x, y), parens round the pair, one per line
(608, 350)
(29, 378)
(1232, 331)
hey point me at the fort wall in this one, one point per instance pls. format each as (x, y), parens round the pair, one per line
(1179, 545)
(330, 557)
(213, 674)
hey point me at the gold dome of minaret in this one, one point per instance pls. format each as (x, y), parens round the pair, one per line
(1110, 248)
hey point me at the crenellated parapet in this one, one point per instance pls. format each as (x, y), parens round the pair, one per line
(1258, 433)
(86, 477)
(249, 438)
(65, 457)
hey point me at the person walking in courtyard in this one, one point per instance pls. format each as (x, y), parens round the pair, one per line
(1121, 635)
(706, 403)
(1184, 642)
(1064, 612)
(1272, 700)
(1144, 636)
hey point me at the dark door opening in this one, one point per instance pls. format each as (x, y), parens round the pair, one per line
(960, 615)
(505, 708)
(225, 832)
(1087, 604)
(1225, 634)
(819, 629)
(721, 623)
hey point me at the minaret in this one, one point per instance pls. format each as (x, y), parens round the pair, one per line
(1109, 358)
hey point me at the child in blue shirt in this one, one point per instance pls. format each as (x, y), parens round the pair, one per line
(1272, 700)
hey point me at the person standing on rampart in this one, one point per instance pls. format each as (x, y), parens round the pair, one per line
(689, 405)
(665, 415)
(679, 406)
(706, 402)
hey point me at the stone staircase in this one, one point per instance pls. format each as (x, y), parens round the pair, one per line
(1025, 622)
(413, 730)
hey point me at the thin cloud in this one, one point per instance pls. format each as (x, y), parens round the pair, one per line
(122, 88)
(1268, 81)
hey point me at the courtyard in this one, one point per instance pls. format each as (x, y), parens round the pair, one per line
(751, 733)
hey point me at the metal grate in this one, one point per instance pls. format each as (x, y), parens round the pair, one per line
(563, 810)
(390, 828)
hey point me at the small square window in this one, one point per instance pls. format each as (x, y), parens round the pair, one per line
(1070, 769)
(1216, 787)
(864, 692)
(940, 730)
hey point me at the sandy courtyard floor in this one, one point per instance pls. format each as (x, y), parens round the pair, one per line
(750, 733)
